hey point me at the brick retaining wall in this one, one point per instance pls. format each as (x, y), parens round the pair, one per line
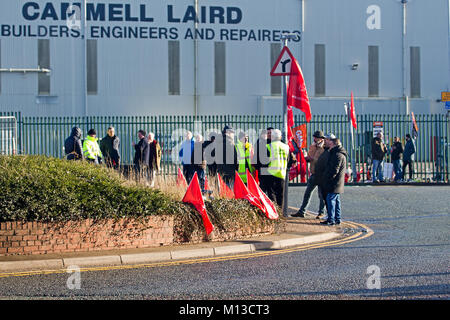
(25, 238)
(17, 238)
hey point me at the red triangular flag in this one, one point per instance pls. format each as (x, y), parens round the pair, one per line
(269, 208)
(353, 112)
(181, 181)
(194, 196)
(297, 96)
(224, 190)
(241, 192)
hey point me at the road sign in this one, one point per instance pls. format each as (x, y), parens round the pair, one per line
(282, 66)
(447, 105)
(377, 128)
(445, 96)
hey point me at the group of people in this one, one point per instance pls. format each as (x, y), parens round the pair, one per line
(268, 159)
(379, 151)
(147, 157)
(328, 162)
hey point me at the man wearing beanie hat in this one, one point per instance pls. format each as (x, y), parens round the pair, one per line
(315, 151)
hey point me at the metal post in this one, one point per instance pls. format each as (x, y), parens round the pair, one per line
(284, 38)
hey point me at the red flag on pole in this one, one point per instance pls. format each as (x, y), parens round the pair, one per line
(353, 112)
(194, 196)
(415, 128)
(181, 181)
(224, 190)
(269, 208)
(297, 96)
(241, 192)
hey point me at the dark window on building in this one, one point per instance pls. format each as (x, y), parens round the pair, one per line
(219, 68)
(174, 67)
(319, 69)
(373, 71)
(43, 63)
(415, 72)
(91, 67)
(275, 82)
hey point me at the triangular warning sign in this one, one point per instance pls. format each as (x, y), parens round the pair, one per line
(282, 66)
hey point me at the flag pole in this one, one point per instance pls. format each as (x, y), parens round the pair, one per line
(284, 136)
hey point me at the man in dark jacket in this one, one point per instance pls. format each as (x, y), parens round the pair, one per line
(109, 146)
(72, 145)
(141, 155)
(210, 154)
(379, 149)
(334, 179)
(226, 156)
(408, 156)
(396, 151)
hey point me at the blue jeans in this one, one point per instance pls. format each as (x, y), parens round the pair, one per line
(377, 165)
(397, 170)
(307, 196)
(334, 207)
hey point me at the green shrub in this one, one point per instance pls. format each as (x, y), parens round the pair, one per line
(39, 188)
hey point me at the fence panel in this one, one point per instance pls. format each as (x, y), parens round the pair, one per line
(46, 135)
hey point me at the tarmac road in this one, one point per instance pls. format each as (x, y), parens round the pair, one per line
(410, 248)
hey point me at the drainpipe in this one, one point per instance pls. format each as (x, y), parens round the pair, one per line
(196, 62)
(404, 67)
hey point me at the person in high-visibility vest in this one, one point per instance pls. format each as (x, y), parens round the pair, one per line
(91, 150)
(245, 154)
(280, 159)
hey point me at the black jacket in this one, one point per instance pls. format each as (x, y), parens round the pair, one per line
(379, 149)
(109, 146)
(334, 176)
(320, 167)
(226, 156)
(395, 154)
(142, 153)
(72, 145)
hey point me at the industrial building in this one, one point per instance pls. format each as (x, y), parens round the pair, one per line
(202, 57)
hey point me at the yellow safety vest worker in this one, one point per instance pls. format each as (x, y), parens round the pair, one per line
(244, 159)
(91, 150)
(278, 155)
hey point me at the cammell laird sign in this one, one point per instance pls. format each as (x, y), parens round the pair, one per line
(135, 21)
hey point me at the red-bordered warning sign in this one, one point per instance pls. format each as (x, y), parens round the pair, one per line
(282, 66)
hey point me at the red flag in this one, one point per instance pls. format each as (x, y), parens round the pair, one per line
(181, 181)
(194, 196)
(241, 192)
(269, 208)
(415, 128)
(297, 96)
(353, 112)
(224, 190)
(299, 168)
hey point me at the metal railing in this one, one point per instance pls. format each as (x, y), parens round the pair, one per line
(46, 135)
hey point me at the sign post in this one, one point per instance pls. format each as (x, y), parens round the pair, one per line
(282, 68)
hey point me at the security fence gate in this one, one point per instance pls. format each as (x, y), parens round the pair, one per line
(46, 135)
(8, 135)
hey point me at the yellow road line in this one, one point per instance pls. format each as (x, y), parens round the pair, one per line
(352, 238)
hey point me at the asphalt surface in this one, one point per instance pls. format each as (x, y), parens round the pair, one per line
(410, 247)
